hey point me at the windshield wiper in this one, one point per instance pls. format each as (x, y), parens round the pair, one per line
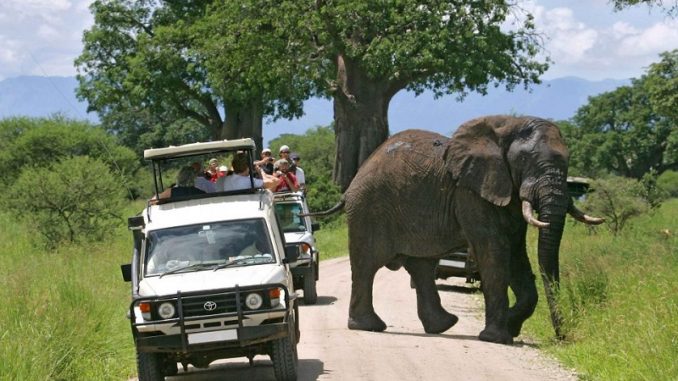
(189, 267)
(234, 262)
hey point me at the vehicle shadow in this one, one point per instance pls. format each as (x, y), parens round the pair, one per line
(459, 289)
(262, 370)
(322, 301)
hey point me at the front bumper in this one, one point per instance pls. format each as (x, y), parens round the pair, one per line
(197, 331)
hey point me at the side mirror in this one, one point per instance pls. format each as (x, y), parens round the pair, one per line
(292, 253)
(315, 226)
(126, 270)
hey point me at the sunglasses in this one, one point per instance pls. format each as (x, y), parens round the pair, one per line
(284, 151)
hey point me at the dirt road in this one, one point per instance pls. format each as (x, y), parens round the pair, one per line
(329, 351)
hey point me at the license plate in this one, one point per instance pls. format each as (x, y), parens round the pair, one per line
(451, 263)
(209, 337)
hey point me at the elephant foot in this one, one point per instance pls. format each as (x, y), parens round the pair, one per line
(495, 336)
(370, 322)
(440, 324)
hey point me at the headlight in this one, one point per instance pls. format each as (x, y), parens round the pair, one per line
(254, 301)
(166, 310)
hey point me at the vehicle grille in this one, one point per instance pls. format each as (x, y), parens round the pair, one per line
(195, 305)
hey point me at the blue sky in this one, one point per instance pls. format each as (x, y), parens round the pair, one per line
(585, 38)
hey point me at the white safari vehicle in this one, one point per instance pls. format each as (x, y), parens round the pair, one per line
(300, 230)
(210, 274)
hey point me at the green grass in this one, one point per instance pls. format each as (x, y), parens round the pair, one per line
(619, 296)
(63, 315)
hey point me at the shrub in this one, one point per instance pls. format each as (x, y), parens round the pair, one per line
(668, 182)
(41, 142)
(618, 199)
(74, 200)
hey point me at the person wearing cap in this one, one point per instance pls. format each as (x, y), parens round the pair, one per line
(285, 154)
(213, 170)
(288, 182)
(266, 162)
(298, 172)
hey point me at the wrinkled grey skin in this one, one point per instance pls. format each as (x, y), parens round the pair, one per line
(421, 195)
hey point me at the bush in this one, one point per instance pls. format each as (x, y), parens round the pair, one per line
(75, 200)
(618, 199)
(668, 182)
(41, 142)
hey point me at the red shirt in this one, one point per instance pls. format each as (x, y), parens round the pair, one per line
(282, 185)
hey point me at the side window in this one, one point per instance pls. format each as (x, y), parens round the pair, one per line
(288, 216)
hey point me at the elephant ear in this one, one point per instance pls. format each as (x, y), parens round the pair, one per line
(476, 161)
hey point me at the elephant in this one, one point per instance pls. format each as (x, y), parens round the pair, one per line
(421, 195)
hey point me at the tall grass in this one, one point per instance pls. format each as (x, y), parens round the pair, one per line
(619, 296)
(63, 314)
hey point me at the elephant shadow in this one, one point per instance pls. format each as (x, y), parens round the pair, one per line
(517, 343)
(459, 289)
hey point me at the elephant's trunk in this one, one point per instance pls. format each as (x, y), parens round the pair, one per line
(552, 210)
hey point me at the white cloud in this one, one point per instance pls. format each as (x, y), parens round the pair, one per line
(610, 48)
(46, 36)
(649, 41)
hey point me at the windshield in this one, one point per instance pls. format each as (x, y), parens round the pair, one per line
(207, 247)
(288, 217)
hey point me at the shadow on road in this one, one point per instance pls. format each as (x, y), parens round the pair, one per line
(459, 289)
(308, 370)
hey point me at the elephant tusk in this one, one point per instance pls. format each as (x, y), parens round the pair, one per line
(529, 218)
(583, 217)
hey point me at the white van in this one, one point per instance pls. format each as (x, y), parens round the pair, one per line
(210, 275)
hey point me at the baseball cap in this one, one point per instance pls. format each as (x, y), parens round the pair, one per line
(295, 156)
(284, 149)
(266, 150)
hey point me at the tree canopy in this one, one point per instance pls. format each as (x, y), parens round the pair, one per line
(147, 64)
(631, 130)
(362, 53)
(141, 70)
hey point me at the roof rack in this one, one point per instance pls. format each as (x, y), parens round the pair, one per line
(198, 148)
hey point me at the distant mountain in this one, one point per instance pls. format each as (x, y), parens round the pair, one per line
(555, 99)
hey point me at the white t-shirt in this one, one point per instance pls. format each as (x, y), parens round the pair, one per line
(301, 178)
(237, 182)
(205, 185)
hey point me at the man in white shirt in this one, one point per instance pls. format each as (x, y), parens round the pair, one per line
(301, 178)
(240, 179)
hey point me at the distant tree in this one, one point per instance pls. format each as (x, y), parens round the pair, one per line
(668, 182)
(42, 142)
(74, 200)
(362, 53)
(618, 199)
(630, 130)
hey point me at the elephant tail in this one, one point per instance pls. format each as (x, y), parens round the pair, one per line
(339, 206)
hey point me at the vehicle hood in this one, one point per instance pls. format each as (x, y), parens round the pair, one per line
(211, 280)
(295, 237)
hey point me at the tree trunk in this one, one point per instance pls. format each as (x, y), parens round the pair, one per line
(244, 121)
(360, 119)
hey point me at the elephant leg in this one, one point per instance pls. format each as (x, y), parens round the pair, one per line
(431, 313)
(523, 285)
(361, 315)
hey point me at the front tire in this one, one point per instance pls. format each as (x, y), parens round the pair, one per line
(150, 366)
(310, 291)
(284, 355)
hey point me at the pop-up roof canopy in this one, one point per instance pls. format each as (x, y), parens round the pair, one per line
(198, 149)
